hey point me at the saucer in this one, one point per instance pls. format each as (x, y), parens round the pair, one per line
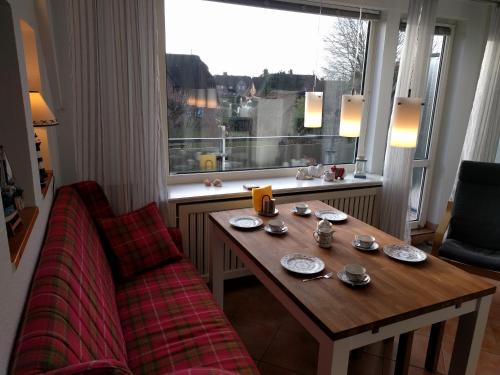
(276, 212)
(306, 213)
(283, 230)
(373, 247)
(343, 277)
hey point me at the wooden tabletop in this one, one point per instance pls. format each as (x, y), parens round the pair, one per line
(397, 290)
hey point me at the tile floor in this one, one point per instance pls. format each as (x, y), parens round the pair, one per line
(279, 344)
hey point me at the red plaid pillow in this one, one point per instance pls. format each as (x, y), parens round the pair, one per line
(140, 240)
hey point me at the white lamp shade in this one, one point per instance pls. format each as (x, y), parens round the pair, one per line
(351, 115)
(211, 98)
(201, 98)
(40, 111)
(405, 122)
(191, 98)
(313, 113)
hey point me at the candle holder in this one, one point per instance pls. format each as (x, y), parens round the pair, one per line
(360, 168)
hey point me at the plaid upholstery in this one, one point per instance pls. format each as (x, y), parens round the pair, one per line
(71, 316)
(203, 371)
(140, 240)
(94, 199)
(93, 368)
(171, 322)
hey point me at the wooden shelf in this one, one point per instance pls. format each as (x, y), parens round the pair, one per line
(45, 189)
(17, 244)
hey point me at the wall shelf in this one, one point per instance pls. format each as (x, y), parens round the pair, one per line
(17, 243)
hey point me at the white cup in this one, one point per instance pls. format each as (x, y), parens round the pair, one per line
(364, 240)
(276, 225)
(301, 208)
(355, 272)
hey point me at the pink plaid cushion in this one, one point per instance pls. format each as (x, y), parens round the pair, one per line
(203, 371)
(71, 316)
(140, 240)
(171, 322)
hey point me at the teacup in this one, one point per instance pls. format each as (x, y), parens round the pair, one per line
(301, 208)
(276, 225)
(355, 272)
(364, 240)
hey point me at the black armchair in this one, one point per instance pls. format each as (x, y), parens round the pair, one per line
(473, 240)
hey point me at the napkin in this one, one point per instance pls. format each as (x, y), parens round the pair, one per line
(258, 194)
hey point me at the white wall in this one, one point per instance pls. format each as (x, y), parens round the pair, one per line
(467, 55)
(15, 282)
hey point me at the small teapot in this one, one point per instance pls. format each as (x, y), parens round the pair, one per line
(324, 226)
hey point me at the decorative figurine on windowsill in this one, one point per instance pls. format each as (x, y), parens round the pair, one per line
(338, 172)
(302, 174)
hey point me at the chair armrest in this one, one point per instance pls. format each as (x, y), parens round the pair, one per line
(176, 235)
(441, 229)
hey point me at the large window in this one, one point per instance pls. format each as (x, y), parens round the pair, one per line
(427, 137)
(236, 82)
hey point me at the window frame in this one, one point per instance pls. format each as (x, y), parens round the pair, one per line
(366, 85)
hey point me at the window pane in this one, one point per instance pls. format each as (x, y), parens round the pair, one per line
(418, 180)
(236, 94)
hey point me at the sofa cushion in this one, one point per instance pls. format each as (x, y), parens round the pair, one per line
(171, 322)
(470, 254)
(140, 240)
(71, 316)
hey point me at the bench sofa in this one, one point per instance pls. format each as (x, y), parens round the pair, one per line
(79, 319)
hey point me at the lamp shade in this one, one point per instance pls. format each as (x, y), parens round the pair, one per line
(201, 98)
(405, 121)
(351, 115)
(211, 98)
(40, 111)
(313, 112)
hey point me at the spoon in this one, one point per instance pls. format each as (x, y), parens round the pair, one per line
(326, 276)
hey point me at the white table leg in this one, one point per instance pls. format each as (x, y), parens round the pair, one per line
(469, 338)
(333, 358)
(216, 273)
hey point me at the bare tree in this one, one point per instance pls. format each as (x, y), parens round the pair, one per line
(345, 51)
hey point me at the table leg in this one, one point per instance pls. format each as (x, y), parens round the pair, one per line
(404, 353)
(434, 347)
(216, 274)
(333, 358)
(469, 338)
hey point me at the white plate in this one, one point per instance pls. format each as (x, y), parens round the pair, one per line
(283, 230)
(405, 253)
(306, 213)
(303, 264)
(332, 216)
(343, 277)
(245, 222)
(373, 247)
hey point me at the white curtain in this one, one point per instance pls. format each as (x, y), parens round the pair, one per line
(413, 70)
(118, 62)
(483, 131)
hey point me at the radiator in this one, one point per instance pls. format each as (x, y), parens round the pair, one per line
(192, 219)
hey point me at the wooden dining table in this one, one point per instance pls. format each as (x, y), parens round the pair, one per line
(401, 297)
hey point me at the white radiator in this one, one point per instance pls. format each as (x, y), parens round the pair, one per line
(192, 219)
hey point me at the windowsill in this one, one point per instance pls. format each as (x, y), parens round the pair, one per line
(192, 192)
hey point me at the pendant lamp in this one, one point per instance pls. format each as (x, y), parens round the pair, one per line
(405, 121)
(313, 113)
(351, 115)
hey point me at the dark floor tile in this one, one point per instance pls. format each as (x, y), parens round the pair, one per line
(488, 364)
(267, 369)
(362, 363)
(297, 352)
(256, 337)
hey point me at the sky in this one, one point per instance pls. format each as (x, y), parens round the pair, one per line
(244, 40)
